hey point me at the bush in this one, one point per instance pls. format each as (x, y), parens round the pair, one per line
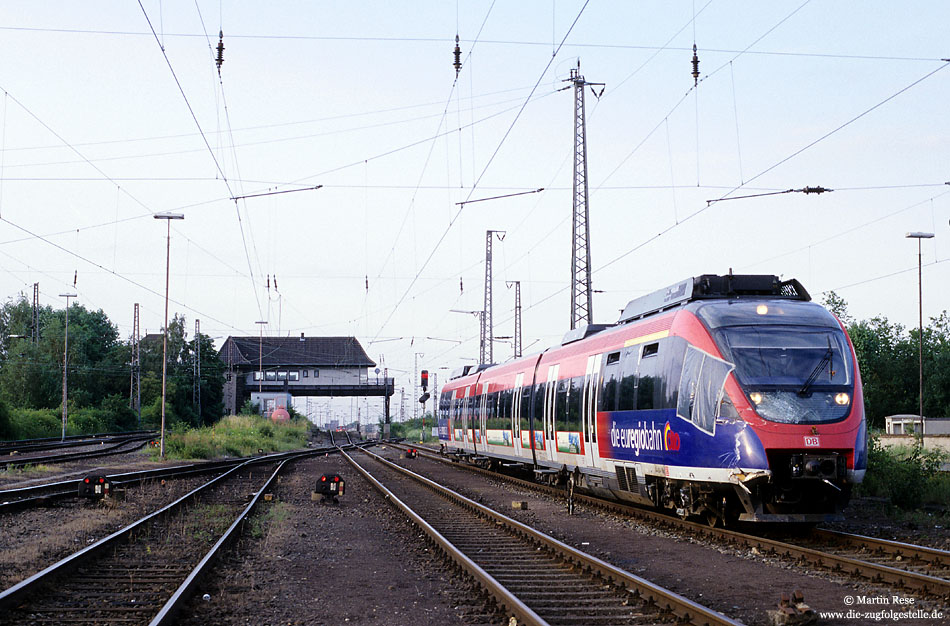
(904, 476)
(119, 415)
(6, 424)
(152, 415)
(250, 408)
(36, 423)
(235, 435)
(87, 421)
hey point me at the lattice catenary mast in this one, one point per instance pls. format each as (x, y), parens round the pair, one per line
(485, 345)
(582, 310)
(517, 338)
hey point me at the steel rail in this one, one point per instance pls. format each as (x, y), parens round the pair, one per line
(499, 593)
(18, 591)
(926, 554)
(864, 570)
(684, 608)
(70, 440)
(167, 613)
(9, 597)
(22, 497)
(77, 456)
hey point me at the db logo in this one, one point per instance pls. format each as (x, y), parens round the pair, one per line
(671, 438)
(812, 442)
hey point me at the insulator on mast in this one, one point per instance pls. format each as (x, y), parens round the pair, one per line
(458, 57)
(695, 67)
(219, 60)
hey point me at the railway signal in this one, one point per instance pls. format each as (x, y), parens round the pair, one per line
(329, 487)
(94, 487)
(424, 379)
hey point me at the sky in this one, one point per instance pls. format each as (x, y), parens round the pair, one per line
(113, 115)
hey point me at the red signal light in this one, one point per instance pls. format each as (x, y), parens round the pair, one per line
(336, 479)
(102, 480)
(323, 479)
(85, 480)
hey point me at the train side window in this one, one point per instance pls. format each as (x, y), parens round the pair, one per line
(607, 399)
(626, 400)
(561, 405)
(539, 406)
(648, 373)
(526, 407)
(671, 359)
(701, 388)
(575, 397)
(504, 405)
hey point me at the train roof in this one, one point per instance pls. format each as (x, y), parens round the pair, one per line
(712, 286)
(704, 287)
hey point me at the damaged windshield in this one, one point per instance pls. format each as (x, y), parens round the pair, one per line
(792, 359)
(803, 358)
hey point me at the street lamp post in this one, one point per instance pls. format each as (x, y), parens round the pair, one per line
(65, 358)
(920, 332)
(168, 217)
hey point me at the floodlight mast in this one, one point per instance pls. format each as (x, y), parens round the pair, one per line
(168, 217)
(920, 310)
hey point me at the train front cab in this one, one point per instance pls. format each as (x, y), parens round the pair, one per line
(797, 389)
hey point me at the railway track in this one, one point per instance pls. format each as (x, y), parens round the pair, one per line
(120, 446)
(22, 446)
(894, 564)
(42, 494)
(532, 576)
(145, 571)
(141, 573)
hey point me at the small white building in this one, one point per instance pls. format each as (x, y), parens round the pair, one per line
(911, 424)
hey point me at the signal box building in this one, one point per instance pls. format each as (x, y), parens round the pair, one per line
(259, 369)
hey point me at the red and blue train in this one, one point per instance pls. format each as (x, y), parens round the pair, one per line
(724, 397)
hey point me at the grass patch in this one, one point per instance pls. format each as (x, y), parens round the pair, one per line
(30, 468)
(276, 514)
(207, 522)
(235, 435)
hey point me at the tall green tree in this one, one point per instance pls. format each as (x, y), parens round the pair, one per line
(887, 356)
(99, 367)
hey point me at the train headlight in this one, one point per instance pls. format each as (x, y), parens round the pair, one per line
(756, 397)
(762, 309)
(842, 399)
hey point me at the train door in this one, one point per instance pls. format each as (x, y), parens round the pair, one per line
(469, 415)
(516, 414)
(589, 408)
(482, 400)
(550, 397)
